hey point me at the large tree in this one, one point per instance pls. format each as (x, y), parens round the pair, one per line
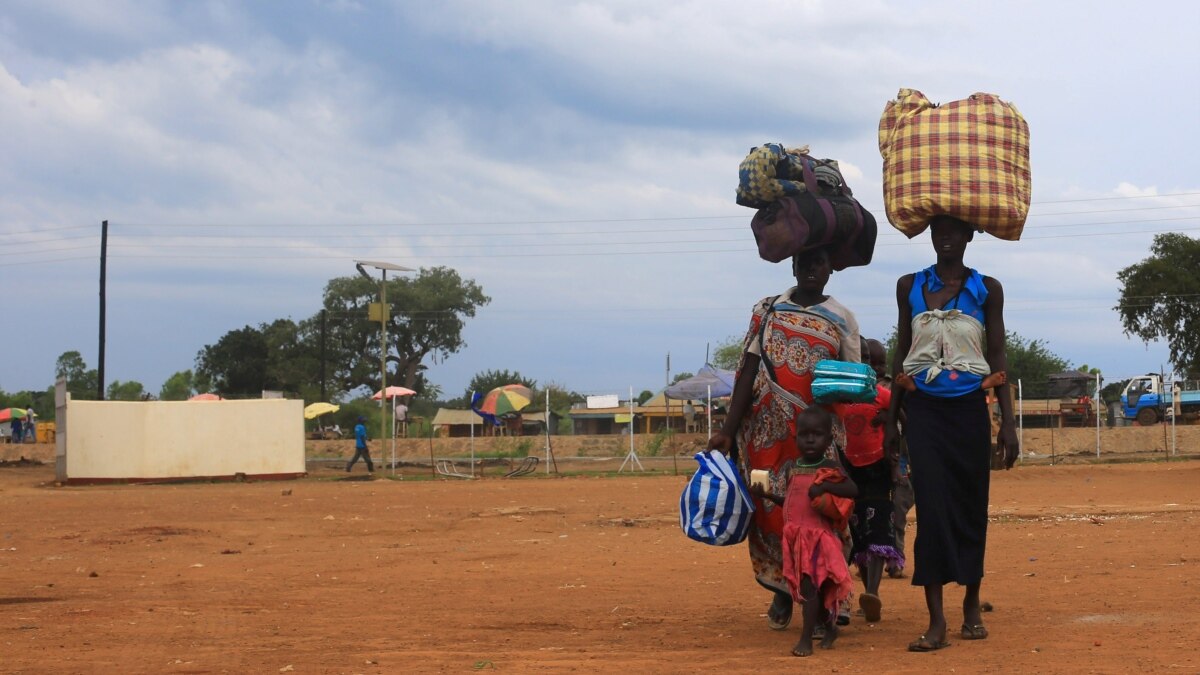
(273, 356)
(426, 318)
(1032, 362)
(1160, 299)
(81, 381)
(125, 391)
(178, 387)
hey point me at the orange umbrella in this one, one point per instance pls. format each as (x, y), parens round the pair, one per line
(206, 397)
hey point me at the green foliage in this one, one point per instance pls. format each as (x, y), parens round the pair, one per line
(273, 356)
(889, 346)
(427, 315)
(488, 380)
(646, 395)
(1031, 362)
(81, 381)
(681, 377)
(178, 387)
(23, 400)
(1159, 299)
(510, 448)
(1111, 392)
(236, 364)
(561, 399)
(654, 446)
(728, 353)
(125, 391)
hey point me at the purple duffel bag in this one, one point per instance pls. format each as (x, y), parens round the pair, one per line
(824, 215)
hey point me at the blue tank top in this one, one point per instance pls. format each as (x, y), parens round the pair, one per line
(969, 301)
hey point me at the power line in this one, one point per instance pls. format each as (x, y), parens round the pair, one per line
(241, 244)
(560, 254)
(453, 235)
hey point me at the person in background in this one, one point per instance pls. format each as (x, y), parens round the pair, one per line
(360, 446)
(18, 430)
(401, 420)
(30, 426)
(789, 333)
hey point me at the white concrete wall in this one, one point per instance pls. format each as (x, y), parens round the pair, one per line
(181, 439)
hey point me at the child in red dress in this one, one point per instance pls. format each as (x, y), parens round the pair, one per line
(813, 563)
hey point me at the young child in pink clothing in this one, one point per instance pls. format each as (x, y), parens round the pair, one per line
(813, 563)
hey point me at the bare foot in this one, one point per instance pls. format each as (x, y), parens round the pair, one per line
(831, 636)
(803, 647)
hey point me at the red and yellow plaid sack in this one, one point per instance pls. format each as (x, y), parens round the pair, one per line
(968, 159)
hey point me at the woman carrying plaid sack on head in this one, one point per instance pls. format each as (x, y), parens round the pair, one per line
(788, 335)
(945, 312)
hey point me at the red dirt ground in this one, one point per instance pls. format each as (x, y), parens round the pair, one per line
(1089, 569)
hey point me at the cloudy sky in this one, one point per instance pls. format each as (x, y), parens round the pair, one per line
(576, 159)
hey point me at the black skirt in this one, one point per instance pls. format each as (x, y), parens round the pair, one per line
(949, 449)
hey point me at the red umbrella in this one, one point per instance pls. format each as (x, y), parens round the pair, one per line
(206, 397)
(8, 414)
(393, 392)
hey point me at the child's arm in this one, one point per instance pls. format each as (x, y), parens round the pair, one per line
(759, 492)
(845, 488)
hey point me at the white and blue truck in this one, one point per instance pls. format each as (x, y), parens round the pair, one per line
(1145, 400)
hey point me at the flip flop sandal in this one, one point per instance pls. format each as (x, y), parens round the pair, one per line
(974, 632)
(924, 644)
(871, 606)
(784, 621)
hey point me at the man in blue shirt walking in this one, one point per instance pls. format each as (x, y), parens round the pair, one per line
(360, 446)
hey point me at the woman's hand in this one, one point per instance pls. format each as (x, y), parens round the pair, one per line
(1007, 443)
(720, 441)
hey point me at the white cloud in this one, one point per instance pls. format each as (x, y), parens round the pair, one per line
(544, 114)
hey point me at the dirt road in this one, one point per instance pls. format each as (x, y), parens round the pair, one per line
(1090, 569)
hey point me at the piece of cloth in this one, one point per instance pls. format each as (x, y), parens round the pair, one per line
(864, 439)
(831, 310)
(949, 450)
(947, 353)
(811, 547)
(795, 340)
(871, 530)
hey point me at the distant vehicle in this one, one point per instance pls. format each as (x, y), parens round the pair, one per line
(1145, 401)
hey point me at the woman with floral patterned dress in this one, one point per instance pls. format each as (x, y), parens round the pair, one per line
(788, 335)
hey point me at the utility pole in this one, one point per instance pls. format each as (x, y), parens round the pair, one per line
(103, 283)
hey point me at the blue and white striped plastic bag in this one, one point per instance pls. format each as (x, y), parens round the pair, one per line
(715, 507)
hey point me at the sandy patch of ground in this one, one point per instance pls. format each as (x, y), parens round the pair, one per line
(1090, 568)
